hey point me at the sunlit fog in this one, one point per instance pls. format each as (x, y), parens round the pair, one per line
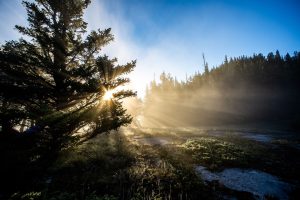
(149, 100)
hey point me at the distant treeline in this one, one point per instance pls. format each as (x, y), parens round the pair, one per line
(255, 90)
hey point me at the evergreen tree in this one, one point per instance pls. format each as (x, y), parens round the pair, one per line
(205, 64)
(56, 81)
(226, 60)
(263, 89)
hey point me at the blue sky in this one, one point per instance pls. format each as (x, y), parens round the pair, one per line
(171, 35)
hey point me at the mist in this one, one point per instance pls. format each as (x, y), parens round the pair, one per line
(234, 94)
(115, 100)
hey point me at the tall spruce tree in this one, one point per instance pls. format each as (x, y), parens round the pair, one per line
(54, 81)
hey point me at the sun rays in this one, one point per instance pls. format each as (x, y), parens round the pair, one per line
(109, 94)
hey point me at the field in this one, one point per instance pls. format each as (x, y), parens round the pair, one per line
(174, 164)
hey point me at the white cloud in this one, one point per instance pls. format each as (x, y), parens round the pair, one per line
(168, 53)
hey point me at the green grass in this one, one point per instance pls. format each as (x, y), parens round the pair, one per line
(112, 167)
(215, 153)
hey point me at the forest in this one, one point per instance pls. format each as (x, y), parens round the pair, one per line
(72, 129)
(256, 90)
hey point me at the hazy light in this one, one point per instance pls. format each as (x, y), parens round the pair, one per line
(108, 95)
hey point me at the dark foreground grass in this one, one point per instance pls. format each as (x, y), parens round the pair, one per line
(110, 167)
(113, 167)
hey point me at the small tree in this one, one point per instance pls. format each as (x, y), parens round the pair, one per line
(205, 64)
(56, 81)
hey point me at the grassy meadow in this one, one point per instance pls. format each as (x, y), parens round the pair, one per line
(157, 164)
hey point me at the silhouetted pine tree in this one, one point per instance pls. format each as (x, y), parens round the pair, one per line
(56, 79)
(205, 64)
